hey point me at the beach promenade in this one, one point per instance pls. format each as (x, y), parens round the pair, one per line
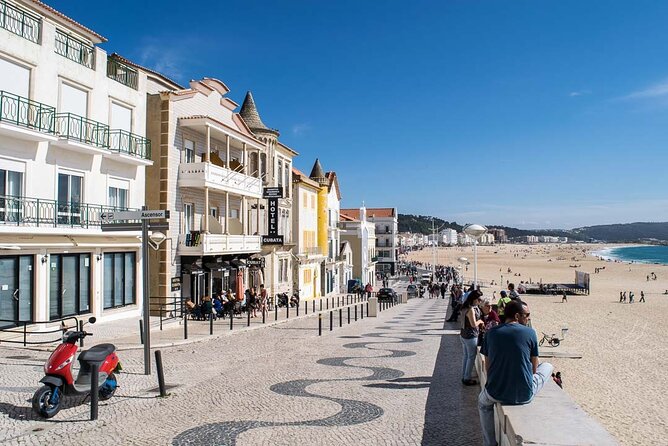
(620, 346)
(393, 379)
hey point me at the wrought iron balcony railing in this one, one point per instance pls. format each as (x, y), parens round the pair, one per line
(75, 49)
(37, 212)
(78, 128)
(23, 112)
(122, 73)
(20, 22)
(128, 143)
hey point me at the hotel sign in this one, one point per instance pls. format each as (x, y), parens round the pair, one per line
(272, 194)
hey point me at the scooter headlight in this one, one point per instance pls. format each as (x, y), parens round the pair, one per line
(65, 363)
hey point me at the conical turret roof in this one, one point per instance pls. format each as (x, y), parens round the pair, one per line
(251, 117)
(317, 173)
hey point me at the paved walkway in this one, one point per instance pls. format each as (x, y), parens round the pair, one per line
(390, 380)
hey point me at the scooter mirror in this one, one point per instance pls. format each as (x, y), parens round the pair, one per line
(91, 320)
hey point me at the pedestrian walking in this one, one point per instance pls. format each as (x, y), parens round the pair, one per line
(631, 296)
(642, 297)
(621, 297)
(564, 299)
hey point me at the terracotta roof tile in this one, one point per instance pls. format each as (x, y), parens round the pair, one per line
(68, 19)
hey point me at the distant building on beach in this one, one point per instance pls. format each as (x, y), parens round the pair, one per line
(486, 239)
(528, 239)
(449, 237)
(499, 235)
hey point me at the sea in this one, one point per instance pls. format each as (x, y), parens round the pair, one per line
(637, 254)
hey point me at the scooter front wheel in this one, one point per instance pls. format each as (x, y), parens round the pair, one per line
(46, 401)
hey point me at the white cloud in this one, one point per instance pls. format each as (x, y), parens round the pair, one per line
(577, 93)
(169, 59)
(658, 90)
(300, 129)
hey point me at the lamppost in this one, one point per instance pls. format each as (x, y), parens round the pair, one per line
(475, 231)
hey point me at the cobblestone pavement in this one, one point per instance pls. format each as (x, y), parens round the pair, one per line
(390, 380)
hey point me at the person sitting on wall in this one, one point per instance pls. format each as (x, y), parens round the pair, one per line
(514, 376)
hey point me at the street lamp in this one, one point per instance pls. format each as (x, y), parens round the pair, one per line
(475, 231)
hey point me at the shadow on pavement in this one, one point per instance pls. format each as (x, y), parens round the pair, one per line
(451, 414)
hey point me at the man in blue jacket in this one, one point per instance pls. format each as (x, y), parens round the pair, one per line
(514, 375)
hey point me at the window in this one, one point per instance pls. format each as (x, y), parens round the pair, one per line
(11, 192)
(280, 175)
(312, 201)
(188, 217)
(118, 198)
(283, 266)
(119, 279)
(121, 117)
(307, 276)
(213, 211)
(14, 78)
(69, 284)
(304, 200)
(287, 179)
(70, 188)
(188, 151)
(73, 100)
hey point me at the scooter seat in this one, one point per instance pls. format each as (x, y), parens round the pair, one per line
(97, 353)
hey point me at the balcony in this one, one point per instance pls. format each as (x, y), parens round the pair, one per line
(199, 244)
(82, 134)
(122, 73)
(20, 22)
(35, 119)
(75, 50)
(126, 144)
(205, 174)
(37, 212)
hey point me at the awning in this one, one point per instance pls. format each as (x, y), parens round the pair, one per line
(217, 266)
(192, 268)
(238, 262)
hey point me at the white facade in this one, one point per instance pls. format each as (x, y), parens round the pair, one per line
(361, 235)
(345, 266)
(334, 262)
(486, 239)
(307, 276)
(72, 147)
(449, 237)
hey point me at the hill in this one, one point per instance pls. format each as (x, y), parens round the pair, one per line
(647, 232)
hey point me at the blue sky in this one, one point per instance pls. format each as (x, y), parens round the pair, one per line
(534, 114)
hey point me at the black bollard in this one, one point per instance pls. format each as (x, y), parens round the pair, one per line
(320, 304)
(298, 309)
(264, 313)
(161, 373)
(340, 317)
(185, 326)
(94, 395)
(362, 310)
(248, 312)
(348, 315)
(275, 312)
(211, 323)
(326, 301)
(314, 305)
(141, 332)
(287, 310)
(231, 319)
(331, 321)
(320, 324)
(305, 308)
(355, 313)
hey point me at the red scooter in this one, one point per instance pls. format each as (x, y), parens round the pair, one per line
(59, 382)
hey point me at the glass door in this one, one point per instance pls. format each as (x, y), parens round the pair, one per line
(70, 189)
(11, 188)
(69, 285)
(16, 284)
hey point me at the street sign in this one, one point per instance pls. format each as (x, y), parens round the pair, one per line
(133, 215)
(176, 283)
(272, 192)
(115, 227)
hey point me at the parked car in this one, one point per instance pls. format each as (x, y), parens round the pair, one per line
(387, 294)
(412, 290)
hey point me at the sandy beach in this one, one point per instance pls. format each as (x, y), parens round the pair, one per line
(621, 377)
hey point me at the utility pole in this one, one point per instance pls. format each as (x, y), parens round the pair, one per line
(433, 247)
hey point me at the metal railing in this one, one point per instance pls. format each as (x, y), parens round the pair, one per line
(168, 308)
(18, 327)
(122, 73)
(78, 128)
(37, 212)
(23, 112)
(122, 141)
(20, 22)
(75, 49)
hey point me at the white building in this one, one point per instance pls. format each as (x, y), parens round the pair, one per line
(72, 147)
(449, 237)
(308, 267)
(486, 239)
(346, 267)
(209, 173)
(464, 239)
(387, 236)
(361, 235)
